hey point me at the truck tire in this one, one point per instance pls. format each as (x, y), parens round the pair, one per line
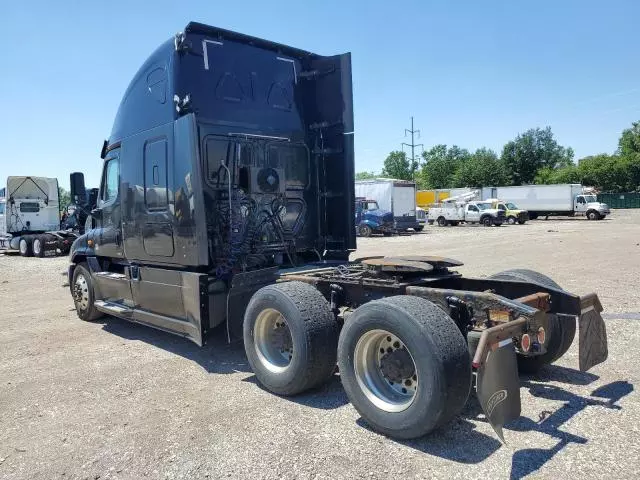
(561, 332)
(442, 222)
(290, 337)
(39, 242)
(404, 365)
(593, 215)
(26, 246)
(487, 221)
(83, 295)
(511, 220)
(365, 230)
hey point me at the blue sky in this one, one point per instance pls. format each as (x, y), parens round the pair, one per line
(473, 73)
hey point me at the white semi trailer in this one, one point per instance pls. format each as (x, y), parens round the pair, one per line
(30, 220)
(568, 199)
(397, 196)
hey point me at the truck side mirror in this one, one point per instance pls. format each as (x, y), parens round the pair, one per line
(78, 191)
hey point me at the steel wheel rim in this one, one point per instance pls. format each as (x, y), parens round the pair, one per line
(81, 292)
(365, 231)
(511, 221)
(37, 246)
(272, 339)
(386, 394)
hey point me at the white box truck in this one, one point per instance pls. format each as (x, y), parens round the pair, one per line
(544, 200)
(396, 196)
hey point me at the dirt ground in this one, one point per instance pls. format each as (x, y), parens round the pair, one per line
(116, 400)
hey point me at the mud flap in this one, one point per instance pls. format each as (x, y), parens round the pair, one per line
(498, 386)
(593, 333)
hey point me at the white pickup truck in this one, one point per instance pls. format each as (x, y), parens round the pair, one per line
(452, 213)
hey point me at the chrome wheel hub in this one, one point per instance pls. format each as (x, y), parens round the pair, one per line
(272, 339)
(385, 370)
(81, 292)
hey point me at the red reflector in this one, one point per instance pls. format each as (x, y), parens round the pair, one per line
(542, 336)
(525, 342)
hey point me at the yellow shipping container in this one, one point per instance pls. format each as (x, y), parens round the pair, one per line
(424, 198)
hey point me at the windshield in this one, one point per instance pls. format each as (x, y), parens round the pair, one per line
(483, 206)
(590, 198)
(511, 206)
(370, 205)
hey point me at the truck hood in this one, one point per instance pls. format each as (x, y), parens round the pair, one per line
(597, 206)
(379, 215)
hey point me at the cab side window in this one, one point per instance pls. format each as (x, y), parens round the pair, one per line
(501, 206)
(110, 181)
(473, 208)
(581, 200)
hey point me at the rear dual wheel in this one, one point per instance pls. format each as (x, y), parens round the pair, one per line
(404, 365)
(25, 246)
(403, 362)
(561, 331)
(290, 337)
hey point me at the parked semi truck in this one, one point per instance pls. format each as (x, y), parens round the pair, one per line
(233, 207)
(396, 196)
(371, 219)
(31, 220)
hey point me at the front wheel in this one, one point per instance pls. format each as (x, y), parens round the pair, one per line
(486, 221)
(442, 222)
(365, 231)
(290, 337)
(83, 295)
(511, 220)
(593, 215)
(404, 365)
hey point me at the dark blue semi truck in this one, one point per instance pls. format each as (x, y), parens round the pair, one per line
(227, 201)
(371, 219)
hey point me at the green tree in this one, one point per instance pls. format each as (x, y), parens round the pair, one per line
(481, 169)
(629, 143)
(64, 199)
(531, 151)
(440, 164)
(568, 174)
(366, 175)
(607, 172)
(398, 166)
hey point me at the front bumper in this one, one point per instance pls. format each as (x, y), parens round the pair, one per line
(405, 223)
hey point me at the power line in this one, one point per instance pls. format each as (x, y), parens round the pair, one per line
(413, 146)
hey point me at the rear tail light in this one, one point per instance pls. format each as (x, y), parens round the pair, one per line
(542, 336)
(525, 342)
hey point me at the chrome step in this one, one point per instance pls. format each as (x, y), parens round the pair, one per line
(113, 308)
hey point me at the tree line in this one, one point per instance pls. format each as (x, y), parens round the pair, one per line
(533, 157)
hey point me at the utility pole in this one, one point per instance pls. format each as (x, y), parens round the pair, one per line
(413, 146)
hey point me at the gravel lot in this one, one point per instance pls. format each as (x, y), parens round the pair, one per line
(117, 400)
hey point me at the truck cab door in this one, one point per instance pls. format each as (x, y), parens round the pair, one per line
(472, 213)
(580, 205)
(108, 215)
